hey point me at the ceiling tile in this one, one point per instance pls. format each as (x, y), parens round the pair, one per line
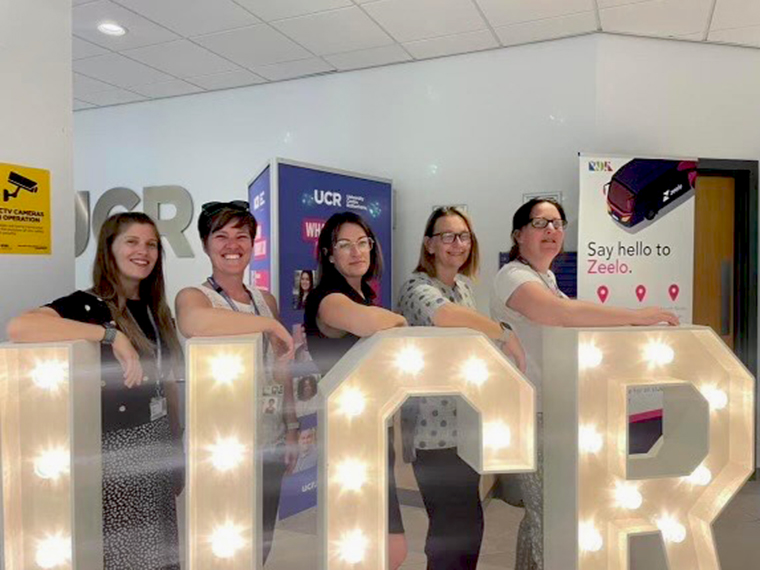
(140, 31)
(549, 29)
(115, 97)
(117, 69)
(270, 10)
(409, 20)
(749, 36)
(254, 46)
(166, 89)
(661, 18)
(84, 85)
(611, 3)
(193, 17)
(79, 105)
(81, 49)
(182, 58)
(293, 69)
(502, 13)
(78, 2)
(736, 14)
(448, 45)
(348, 29)
(369, 57)
(227, 80)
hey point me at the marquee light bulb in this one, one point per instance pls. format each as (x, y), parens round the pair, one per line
(700, 476)
(717, 398)
(351, 402)
(53, 552)
(351, 474)
(497, 435)
(589, 439)
(226, 540)
(475, 371)
(589, 356)
(227, 453)
(589, 538)
(627, 496)
(49, 374)
(52, 464)
(672, 530)
(409, 360)
(225, 368)
(658, 353)
(352, 547)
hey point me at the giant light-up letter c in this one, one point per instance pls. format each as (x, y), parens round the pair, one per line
(496, 427)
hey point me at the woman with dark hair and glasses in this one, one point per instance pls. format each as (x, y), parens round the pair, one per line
(222, 306)
(341, 310)
(439, 294)
(525, 297)
(140, 359)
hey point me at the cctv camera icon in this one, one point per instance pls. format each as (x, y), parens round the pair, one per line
(21, 183)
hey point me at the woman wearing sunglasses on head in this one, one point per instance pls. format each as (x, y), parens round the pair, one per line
(525, 297)
(439, 294)
(223, 305)
(340, 311)
(141, 358)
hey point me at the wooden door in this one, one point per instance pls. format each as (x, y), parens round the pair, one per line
(714, 256)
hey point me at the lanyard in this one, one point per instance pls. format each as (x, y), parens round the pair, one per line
(159, 348)
(218, 288)
(546, 281)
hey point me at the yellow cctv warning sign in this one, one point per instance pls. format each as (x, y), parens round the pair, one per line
(24, 210)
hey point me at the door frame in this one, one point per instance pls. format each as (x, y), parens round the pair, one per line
(746, 213)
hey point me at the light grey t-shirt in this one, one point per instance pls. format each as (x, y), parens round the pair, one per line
(507, 281)
(272, 393)
(420, 297)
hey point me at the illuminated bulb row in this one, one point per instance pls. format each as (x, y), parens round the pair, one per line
(52, 464)
(351, 474)
(671, 529)
(227, 453)
(53, 552)
(227, 540)
(351, 402)
(49, 374)
(497, 435)
(409, 360)
(589, 356)
(658, 354)
(352, 546)
(226, 369)
(589, 439)
(475, 371)
(589, 538)
(701, 476)
(627, 496)
(717, 398)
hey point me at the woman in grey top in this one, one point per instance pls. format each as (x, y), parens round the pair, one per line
(439, 294)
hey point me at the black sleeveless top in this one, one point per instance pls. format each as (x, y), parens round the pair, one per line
(327, 351)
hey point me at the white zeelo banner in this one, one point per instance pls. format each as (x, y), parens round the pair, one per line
(636, 232)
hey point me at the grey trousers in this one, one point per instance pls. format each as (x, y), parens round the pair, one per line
(530, 536)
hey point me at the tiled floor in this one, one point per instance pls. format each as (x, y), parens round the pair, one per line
(737, 532)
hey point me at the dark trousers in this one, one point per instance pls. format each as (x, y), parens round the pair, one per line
(450, 491)
(274, 470)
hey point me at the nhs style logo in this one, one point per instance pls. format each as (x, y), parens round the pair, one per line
(599, 166)
(322, 197)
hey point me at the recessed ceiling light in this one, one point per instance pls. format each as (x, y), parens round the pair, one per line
(112, 29)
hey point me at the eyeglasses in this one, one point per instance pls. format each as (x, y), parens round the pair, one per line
(540, 223)
(364, 245)
(211, 208)
(450, 237)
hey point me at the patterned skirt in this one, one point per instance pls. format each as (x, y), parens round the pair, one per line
(139, 509)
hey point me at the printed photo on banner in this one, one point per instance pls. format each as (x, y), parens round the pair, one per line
(303, 283)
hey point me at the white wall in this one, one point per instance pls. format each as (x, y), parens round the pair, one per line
(479, 129)
(35, 130)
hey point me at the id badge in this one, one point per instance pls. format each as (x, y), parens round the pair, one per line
(157, 408)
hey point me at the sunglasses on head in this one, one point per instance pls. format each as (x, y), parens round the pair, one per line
(210, 208)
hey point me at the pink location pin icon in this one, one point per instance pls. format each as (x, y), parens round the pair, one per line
(602, 292)
(673, 291)
(641, 292)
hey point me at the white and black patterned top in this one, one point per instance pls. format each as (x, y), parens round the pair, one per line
(420, 297)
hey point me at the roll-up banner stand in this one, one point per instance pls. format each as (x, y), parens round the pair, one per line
(291, 202)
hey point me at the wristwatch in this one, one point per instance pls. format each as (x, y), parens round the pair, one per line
(292, 426)
(110, 335)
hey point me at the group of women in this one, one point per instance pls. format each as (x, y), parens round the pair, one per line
(126, 310)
